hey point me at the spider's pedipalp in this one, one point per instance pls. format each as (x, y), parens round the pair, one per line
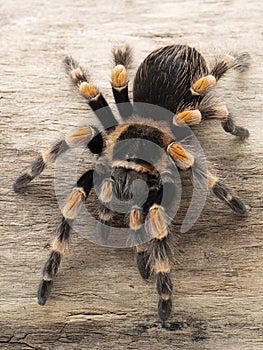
(61, 238)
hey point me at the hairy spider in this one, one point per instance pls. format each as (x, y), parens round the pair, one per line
(174, 77)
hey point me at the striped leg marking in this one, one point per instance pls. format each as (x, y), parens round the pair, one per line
(183, 159)
(59, 245)
(224, 194)
(89, 91)
(60, 241)
(80, 137)
(161, 259)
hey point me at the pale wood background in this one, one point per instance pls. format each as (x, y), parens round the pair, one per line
(99, 300)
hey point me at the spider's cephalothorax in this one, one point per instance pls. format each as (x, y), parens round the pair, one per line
(177, 78)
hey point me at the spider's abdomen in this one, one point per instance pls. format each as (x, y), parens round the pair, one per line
(166, 75)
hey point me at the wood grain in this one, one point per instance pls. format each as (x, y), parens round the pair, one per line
(99, 301)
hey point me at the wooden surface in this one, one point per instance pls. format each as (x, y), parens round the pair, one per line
(99, 300)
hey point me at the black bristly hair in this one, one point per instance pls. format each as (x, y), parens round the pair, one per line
(177, 78)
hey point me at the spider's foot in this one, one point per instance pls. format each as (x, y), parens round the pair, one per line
(242, 62)
(238, 206)
(44, 290)
(232, 128)
(164, 309)
(22, 181)
(241, 132)
(223, 193)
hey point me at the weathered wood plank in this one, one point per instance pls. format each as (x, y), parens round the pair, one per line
(99, 301)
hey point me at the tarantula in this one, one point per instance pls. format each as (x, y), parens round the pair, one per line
(174, 77)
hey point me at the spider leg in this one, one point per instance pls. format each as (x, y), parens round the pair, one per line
(90, 92)
(239, 62)
(122, 56)
(62, 234)
(156, 255)
(85, 136)
(162, 251)
(136, 220)
(209, 81)
(230, 126)
(210, 107)
(225, 195)
(155, 195)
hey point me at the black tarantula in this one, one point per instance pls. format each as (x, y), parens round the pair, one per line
(174, 77)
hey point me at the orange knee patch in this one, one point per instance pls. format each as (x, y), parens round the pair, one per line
(119, 76)
(203, 84)
(211, 180)
(135, 219)
(80, 136)
(191, 117)
(88, 90)
(58, 245)
(157, 223)
(105, 215)
(76, 197)
(162, 266)
(106, 191)
(183, 158)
